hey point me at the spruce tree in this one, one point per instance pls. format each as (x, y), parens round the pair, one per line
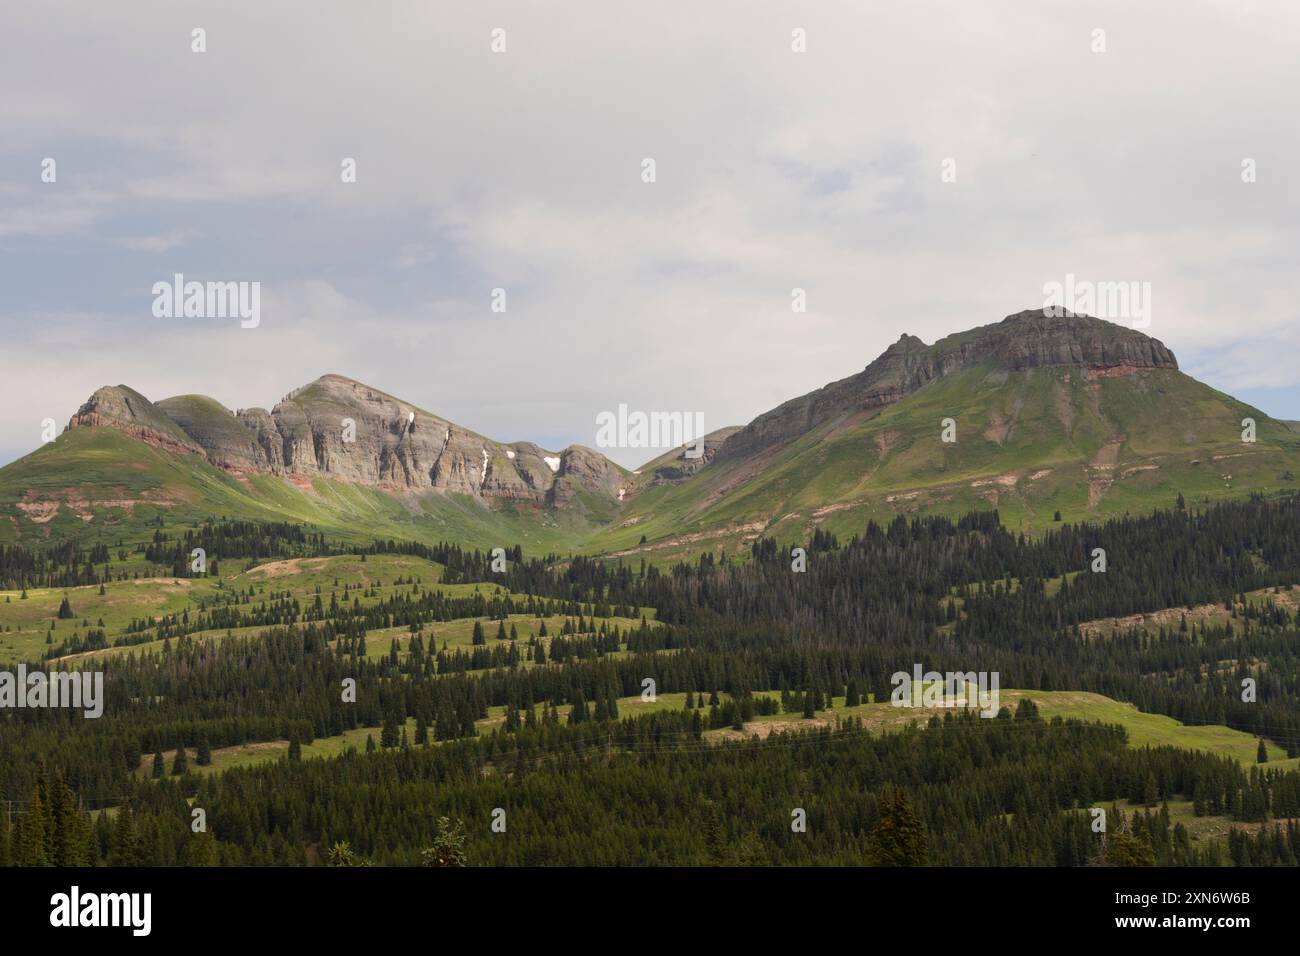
(898, 837)
(34, 833)
(388, 737)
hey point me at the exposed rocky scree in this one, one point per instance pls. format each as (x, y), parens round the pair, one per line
(1022, 341)
(398, 448)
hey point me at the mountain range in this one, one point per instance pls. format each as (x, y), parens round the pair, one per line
(1050, 418)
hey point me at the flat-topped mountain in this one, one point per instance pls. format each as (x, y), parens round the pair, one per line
(1046, 416)
(1071, 416)
(1022, 341)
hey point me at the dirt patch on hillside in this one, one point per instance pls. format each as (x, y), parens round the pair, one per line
(302, 484)
(1006, 481)
(886, 441)
(746, 471)
(1101, 470)
(39, 511)
(1153, 619)
(1129, 472)
(1000, 426)
(997, 429)
(278, 569)
(746, 532)
(1115, 371)
(75, 500)
(1064, 403)
(763, 729)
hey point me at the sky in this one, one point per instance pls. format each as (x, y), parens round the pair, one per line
(917, 167)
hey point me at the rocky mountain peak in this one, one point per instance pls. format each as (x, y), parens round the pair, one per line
(339, 428)
(1025, 340)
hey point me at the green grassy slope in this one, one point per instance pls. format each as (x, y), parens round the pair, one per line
(99, 484)
(1029, 443)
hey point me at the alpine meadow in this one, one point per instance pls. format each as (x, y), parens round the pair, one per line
(740, 437)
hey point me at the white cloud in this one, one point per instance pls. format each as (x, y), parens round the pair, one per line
(775, 170)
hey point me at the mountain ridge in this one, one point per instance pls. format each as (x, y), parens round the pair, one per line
(1027, 339)
(1069, 417)
(341, 428)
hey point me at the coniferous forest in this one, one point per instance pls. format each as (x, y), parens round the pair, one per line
(528, 745)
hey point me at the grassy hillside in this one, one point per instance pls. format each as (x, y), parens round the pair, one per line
(99, 484)
(1144, 730)
(1029, 443)
(25, 623)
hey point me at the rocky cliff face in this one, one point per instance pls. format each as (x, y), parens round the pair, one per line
(1022, 341)
(341, 429)
(125, 409)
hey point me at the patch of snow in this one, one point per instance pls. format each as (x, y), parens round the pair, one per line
(509, 453)
(554, 463)
(620, 493)
(483, 477)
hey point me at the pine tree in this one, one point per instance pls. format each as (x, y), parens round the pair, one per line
(159, 765)
(898, 837)
(342, 854)
(70, 828)
(852, 697)
(34, 833)
(1261, 755)
(124, 845)
(448, 847)
(6, 842)
(388, 737)
(181, 762)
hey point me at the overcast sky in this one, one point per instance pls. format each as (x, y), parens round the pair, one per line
(522, 170)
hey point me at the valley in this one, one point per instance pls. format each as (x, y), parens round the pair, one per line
(349, 596)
